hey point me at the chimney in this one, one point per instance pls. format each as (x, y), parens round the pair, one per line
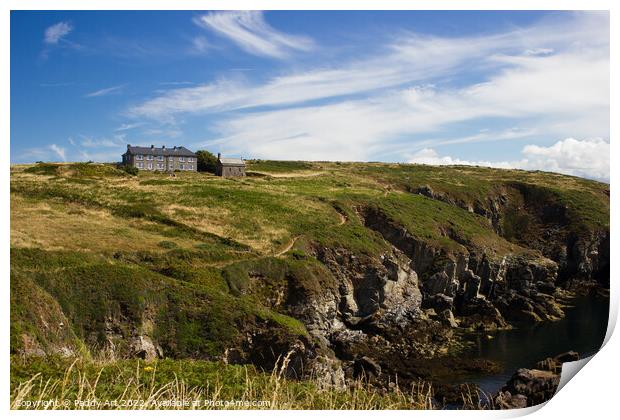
(128, 146)
(152, 146)
(175, 148)
(163, 148)
(219, 155)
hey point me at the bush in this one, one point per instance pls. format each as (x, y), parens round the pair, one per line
(207, 162)
(131, 170)
(43, 169)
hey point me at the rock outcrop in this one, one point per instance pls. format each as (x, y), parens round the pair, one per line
(529, 387)
(486, 292)
(536, 218)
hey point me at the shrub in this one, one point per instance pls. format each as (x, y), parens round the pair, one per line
(43, 169)
(131, 170)
(207, 162)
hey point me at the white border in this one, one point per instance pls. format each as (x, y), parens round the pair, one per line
(591, 395)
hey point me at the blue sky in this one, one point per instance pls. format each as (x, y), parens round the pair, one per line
(507, 89)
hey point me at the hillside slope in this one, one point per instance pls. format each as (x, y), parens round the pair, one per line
(343, 266)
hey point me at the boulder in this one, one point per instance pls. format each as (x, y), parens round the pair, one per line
(366, 367)
(529, 387)
(439, 302)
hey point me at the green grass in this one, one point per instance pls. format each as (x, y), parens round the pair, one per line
(43, 169)
(84, 170)
(275, 166)
(261, 279)
(442, 224)
(193, 315)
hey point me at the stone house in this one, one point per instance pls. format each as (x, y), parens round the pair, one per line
(228, 167)
(160, 158)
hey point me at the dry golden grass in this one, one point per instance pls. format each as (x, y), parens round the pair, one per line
(229, 387)
(67, 226)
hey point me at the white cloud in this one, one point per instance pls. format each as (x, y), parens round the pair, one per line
(585, 158)
(116, 141)
(55, 33)
(538, 51)
(589, 158)
(166, 132)
(105, 91)
(59, 151)
(128, 126)
(250, 31)
(413, 59)
(546, 81)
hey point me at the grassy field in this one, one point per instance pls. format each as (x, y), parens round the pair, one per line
(94, 250)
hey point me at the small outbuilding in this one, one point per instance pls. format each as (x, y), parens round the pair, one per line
(228, 167)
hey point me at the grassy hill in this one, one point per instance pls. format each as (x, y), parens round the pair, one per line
(106, 263)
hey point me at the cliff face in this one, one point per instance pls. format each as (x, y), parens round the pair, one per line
(408, 302)
(536, 218)
(484, 290)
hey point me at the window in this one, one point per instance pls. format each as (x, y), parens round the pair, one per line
(140, 165)
(139, 157)
(181, 159)
(160, 166)
(190, 167)
(170, 165)
(149, 157)
(160, 158)
(149, 165)
(189, 159)
(182, 167)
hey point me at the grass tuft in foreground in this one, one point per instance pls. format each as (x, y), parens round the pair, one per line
(189, 384)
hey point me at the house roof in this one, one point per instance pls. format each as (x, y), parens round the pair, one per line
(160, 151)
(231, 161)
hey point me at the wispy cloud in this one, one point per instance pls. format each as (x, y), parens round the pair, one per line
(59, 84)
(96, 155)
(180, 83)
(166, 132)
(116, 141)
(105, 91)
(410, 60)
(573, 104)
(200, 45)
(128, 126)
(56, 32)
(543, 79)
(51, 152)
(55, 37)
(60, 151)
(250, 31)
